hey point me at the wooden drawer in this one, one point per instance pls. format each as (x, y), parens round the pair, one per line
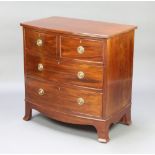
(81, 48)
(70, 100)
(41, 44)
(66, 71)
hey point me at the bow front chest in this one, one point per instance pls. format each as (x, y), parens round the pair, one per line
(79, 71)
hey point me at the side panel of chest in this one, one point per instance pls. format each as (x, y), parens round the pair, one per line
(119, 68)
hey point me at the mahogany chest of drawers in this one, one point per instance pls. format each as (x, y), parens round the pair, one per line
(79, 71)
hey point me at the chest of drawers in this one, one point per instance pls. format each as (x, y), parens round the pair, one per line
(79, 71)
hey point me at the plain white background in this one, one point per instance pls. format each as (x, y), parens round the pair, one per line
(42, 135)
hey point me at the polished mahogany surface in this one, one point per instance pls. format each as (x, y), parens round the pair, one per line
(79, 26)
(93, 48)
(79, 71)
(53, 71)
(61, 98)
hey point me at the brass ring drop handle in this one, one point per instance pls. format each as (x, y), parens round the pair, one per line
(41, 91)
(80, 75)
(40, 67)
(39, 42)
(80, 101)
(80, 49)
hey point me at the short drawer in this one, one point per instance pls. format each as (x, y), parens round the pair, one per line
(65, 99)
(70, 72)
(81, 48)
(41, 44)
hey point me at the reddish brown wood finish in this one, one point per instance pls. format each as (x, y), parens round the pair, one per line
(93, 48)
(28, 111)
(53, 71)
(49, 43)
(70, 26)
(119, 60)
(107, 63)
(64, 99)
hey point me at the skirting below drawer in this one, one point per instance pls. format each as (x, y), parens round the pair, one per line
(81, 120)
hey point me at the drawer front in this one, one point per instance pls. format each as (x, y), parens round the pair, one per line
(79, 48)
(70, 72)
(40, 43)
(70, 100)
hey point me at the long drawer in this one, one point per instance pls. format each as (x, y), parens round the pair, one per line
(65, 99)
(70, 72)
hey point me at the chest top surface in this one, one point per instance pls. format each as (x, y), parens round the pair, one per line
(79, 26)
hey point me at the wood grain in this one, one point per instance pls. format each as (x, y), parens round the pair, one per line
(93, 49)
(64, 99)
(48, 49)
(107, 63)
(119, 70)
(65, 71)
(80, 27)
